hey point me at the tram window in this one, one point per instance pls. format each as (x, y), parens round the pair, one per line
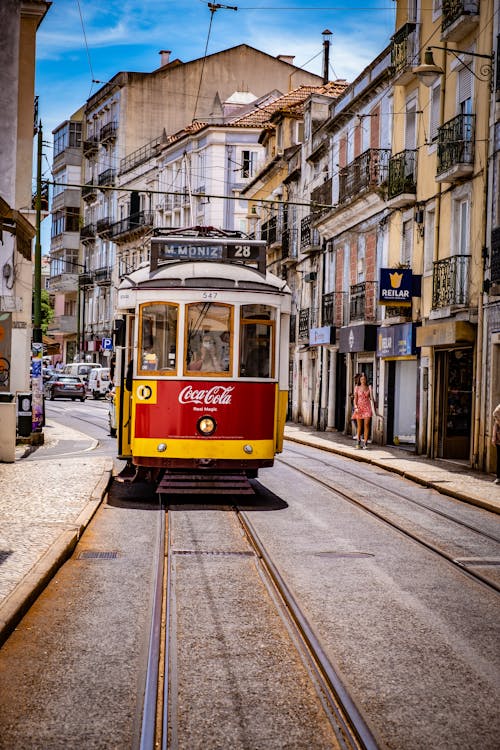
(256, 341)
(158, 338)
(209, 337)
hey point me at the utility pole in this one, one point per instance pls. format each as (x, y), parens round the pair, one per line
(37, 418)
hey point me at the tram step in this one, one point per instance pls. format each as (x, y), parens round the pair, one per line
(205, 484)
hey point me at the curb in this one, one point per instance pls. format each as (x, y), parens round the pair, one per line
(366, 458)
(35, 581)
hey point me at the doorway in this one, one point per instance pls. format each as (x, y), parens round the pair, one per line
(455, 368)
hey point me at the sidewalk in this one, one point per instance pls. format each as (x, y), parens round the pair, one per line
(46, 502)
(45, 505)
(447, 477)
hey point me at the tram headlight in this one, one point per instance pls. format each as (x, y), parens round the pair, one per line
(206, 426)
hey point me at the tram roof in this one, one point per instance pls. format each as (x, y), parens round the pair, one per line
(203, 274)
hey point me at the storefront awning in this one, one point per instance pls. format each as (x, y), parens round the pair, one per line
(50, 346)
(446, 333)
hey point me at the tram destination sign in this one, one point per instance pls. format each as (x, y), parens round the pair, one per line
(234, 250)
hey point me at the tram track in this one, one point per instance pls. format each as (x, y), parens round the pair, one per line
(461, 564)
(159, 728)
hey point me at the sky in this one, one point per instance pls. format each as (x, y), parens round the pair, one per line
(81, 44)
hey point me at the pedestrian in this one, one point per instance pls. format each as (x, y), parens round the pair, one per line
(354, 419)
(495, 438)
(363, 399)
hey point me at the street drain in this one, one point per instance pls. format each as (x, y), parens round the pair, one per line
(90, 554)
(348, 555)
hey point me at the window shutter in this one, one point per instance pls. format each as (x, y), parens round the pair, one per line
(434, 122)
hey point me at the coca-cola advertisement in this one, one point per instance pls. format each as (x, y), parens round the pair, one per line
(241, 410)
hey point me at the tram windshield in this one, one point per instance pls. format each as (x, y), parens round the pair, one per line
(208, 345)
(158, 336)
(257, 341)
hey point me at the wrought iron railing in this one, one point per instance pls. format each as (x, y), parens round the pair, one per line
(403, 48)
(368, 170)
(108, 131)
(268, 230)
(362, 301)
(402, 173)
(495, 256)
(450, 281)
(89, 191)
(141, 219)
(334, 309)
(456, 143)
(91, 145)
(452, 10)
(309, 236)
(103, 227)
(107, 177)
(87, 232)
(322, 195)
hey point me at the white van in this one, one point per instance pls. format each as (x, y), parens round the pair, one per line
(80, 369)
(98, 382)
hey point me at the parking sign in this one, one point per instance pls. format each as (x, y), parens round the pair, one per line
(107, 345)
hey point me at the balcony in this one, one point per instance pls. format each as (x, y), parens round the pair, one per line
(85, 279)
(268, 231)
(106, 178)
(63, 283)
(334, 309)
(63, 324)
(87, 233)
(308, 318)
(459, 18)
(89, 192)
(102, 276)
(309, 237)
(367, 172)
(362, 301)
(495, 256)
(103, 227)
(455, 150)
(133, 225)
(449, 282)
(109, 132)
(289, 242)
(404, 50)
(323, 196)
(402, 179)
(91, 146)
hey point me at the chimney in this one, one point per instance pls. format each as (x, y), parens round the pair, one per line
(286, 58)
(165, 57)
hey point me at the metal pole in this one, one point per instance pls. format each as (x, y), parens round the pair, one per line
(37, 291)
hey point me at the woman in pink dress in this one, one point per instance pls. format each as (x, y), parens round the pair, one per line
(363, 398)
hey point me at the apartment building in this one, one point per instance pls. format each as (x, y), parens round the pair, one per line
(438, 185)
(124, 125)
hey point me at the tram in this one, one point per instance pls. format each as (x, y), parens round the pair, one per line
(202, 349)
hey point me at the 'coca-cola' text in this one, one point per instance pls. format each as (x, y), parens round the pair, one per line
(218, 394)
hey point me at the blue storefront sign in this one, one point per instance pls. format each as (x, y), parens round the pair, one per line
(396, 286)
(323, 335)
(394, 342)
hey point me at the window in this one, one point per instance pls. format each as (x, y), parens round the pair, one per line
(464, 91)
(407, 242)
(430, 223)
(461, 221)
(65, 221)
(411, 129)
(248, 160)
(208, 338)
(434, 115)
(69, 136)
(256, 341)
(158, 338)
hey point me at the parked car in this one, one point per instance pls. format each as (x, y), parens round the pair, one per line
(99, 382)
(64, 386)
(80, 369)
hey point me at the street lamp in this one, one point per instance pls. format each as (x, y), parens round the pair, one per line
(428, 72)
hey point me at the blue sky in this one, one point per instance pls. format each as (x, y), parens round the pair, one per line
(82, 40)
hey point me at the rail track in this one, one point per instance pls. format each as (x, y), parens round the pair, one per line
(466, 564)
(159, 725)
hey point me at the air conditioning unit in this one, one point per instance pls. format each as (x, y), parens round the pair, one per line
(309, 277)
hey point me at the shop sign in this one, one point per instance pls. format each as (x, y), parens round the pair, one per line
(357, 339)
(396, 341)
(323, 335)
(395, 287)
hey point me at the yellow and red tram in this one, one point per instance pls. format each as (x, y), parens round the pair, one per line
(201, 345)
